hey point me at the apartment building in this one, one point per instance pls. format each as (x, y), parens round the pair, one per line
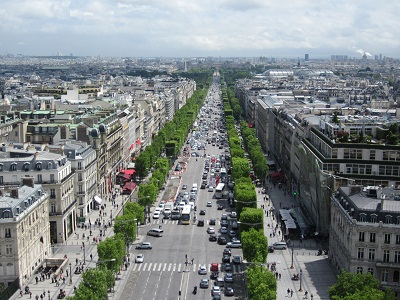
(24, 231)
(53, 171)
(365, 232)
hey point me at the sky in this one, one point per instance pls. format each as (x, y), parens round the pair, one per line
(193, 28)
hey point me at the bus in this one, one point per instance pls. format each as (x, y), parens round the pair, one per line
(186, 215)
(218, 190)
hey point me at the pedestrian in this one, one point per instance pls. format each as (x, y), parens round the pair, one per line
(30, 295)
(192, 260)
(312, 296)
(91, 256)
(66, 271)
(20, 292)
(280, 275)
(288, 291)
(37, 297)
(291, 293)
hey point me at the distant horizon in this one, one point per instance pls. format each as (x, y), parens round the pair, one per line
(207, 28)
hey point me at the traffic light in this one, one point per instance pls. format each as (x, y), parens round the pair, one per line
(295, 193)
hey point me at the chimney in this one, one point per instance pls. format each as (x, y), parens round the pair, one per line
(14, 193)
(28, 181)
(382, 196)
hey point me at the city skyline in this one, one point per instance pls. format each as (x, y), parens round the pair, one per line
(227, 28)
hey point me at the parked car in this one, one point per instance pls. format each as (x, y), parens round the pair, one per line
(231, 233)
(279, 245)
(228, 277)
(229, 291)
(236, 259)
(271, 249)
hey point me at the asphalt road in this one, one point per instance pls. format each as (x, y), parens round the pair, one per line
(164, 273)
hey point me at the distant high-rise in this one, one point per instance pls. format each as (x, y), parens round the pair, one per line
(306, 57)
(380, 56)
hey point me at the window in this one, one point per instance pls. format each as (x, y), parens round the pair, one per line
(52, 178)
(8, 232)
(49, 165)
(1, 180)
(1, 167)
(388, 219)
(53, 208)
(397, 239)
(360, 253)
(38, 166)
(396, 276)
(374, 218)
(372, 237)
(359, 270)
(8, 249)
(398, 220)
(387, 238)
(52, 193)
(371, 271)
(13, 167)
(386, 255)
(371, 254)
(372, 154)
(363, 217)
(39, 178)
(385, 275)
(397, 257)
(361, 236)
(6, 214)
(79, 165)
(79, 176)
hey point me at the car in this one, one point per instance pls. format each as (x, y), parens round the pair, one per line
(203, 186)
(280, 246)
(214, 267)
(216, 290)
(224, 217)
(235, 225)
(202, 270)
(228, 277)
(220, 207)
(209, 204)
(204, 283)
(224, 223)
(184, 187)
(221, 240)
(212, 238)
(156, 215)
(227, 251)
(223, 230)
(202, 212)
(216, 297)
(139, 258)
(236, 259)
(233, 215)
(226, 258)
(212, 222)
(210, 188)
(228, 267)
(234, 244)
(144, 245)
(210, 230)
(229, 291)
(231, 233)
(271, 249)
(200, 223)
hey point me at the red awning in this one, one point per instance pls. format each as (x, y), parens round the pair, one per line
(129, 186)
(132, 146)
(138, 142)
(129, 171)
(277, 174)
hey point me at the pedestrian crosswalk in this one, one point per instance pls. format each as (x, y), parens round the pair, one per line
(177, 267)
(165, 221)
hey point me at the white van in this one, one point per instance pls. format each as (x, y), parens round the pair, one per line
(155, 232)
(194, 188)
(279, 245)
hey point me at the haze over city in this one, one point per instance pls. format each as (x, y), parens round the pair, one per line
(179, 28)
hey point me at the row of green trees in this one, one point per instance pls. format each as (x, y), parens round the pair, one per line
(261, 282)
(168, 141)
(97, 282)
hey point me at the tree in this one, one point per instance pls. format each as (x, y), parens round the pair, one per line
(126, 226)
(136, 210)
(261, 283)
(251, 216)
(111, 252)
(255, 245)
(366, 286)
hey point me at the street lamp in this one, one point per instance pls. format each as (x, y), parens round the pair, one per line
(301, 275)
(292, 258)
(84, 252)
(250, 224)
(70, 274)
(245, 202)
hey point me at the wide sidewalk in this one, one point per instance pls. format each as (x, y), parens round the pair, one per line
(77, 254)
(317, 274)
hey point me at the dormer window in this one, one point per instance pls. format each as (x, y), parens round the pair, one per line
(13, 166)
(49, 166)
(374, 218)
(1, 167)
(6, 214)
(388, 219)
(39, 166)
(26, 166)
(363, 217)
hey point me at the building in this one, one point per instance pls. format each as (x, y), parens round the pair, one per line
(24, 231)
(365, 232)
(53, 171)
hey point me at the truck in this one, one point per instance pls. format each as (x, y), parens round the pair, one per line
(168, 207)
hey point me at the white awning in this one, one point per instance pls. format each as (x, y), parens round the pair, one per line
(97, 199)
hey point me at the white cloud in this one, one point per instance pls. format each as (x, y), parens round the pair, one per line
(207, 27)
